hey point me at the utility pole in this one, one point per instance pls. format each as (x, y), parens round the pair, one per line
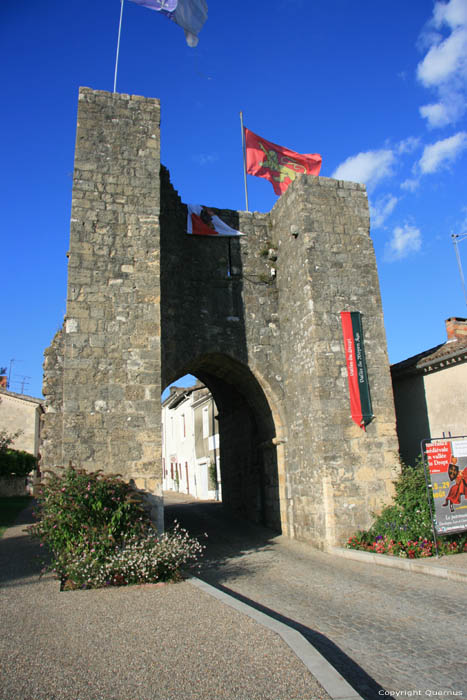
(456, 238)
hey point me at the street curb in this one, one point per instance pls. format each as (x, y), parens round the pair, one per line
(415, 565)
(332, 681)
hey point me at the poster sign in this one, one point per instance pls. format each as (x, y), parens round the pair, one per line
(447, 465)
(360, 401)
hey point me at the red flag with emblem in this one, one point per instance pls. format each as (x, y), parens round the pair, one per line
(277, 164)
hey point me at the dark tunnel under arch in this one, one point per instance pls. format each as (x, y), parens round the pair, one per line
(248, 439)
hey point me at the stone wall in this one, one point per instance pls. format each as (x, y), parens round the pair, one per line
(338, 473)
(256, 318)
(104, 411)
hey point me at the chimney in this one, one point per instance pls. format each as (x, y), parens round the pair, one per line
(456, 328)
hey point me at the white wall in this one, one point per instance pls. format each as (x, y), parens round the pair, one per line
(446, 398)
(17, 413)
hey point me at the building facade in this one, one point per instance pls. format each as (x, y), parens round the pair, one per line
(21, 413)
(430, 392)
(190, 443)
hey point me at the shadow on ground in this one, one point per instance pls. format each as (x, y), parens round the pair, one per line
(20, 557)
(228, 543)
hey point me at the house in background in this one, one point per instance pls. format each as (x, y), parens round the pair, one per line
(19, 412)
(430, 392)
(190, 443)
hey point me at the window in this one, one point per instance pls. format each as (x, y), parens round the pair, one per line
(206, 422)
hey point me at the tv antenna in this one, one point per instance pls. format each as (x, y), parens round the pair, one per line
(456, 238)
(23, 381)
(9, 372)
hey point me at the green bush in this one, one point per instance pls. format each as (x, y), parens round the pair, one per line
(77, 508)
(16, 463)
(98, 533)
(404, 528)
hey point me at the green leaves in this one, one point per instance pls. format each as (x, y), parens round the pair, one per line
(99, 533)
(404, 528)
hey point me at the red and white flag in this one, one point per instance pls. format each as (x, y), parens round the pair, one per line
(203, 222)
(277, 164)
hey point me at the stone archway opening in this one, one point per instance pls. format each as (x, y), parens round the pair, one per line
(247, 439)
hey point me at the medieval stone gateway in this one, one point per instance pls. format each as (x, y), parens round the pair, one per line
(256, 318)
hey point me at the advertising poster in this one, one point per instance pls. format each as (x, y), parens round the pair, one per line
(447, 464)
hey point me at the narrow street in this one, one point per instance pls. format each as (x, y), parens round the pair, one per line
(383, 629)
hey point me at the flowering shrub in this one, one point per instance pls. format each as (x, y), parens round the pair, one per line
(98, 533)
(81, 508)
(135, 560)
(404, 528)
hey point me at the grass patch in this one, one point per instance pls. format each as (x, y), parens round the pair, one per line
(10, 508)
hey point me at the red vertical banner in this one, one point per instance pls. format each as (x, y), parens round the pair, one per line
(360, 401)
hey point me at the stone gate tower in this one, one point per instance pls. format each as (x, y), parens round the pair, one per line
(256, 318)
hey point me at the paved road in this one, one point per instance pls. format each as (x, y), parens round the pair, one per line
(387, 631)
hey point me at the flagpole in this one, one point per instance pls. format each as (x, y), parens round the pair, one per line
(244, 159)
(118, 46)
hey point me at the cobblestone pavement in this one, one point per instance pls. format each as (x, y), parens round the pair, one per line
(385, 630)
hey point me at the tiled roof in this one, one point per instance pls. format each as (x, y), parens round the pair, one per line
(444, 355)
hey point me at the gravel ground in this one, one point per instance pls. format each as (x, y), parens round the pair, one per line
(169, 642)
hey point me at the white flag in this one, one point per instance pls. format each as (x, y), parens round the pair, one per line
(190, 15)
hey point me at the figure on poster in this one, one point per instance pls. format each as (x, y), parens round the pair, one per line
(459, 488)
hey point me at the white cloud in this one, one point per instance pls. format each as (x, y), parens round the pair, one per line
(405, 240)
(436, 114)
(369, 167)
(463, 223)
(205, 158)
(381, 209)
(408, 145)
(442, 153)
(444, 67)
(410, 184)
(454, 13)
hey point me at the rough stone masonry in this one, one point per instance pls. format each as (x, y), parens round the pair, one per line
(257, 318)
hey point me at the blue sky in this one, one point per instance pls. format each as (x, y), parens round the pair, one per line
(377, 88)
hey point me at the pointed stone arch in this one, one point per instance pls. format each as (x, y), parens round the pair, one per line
(252, 434)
